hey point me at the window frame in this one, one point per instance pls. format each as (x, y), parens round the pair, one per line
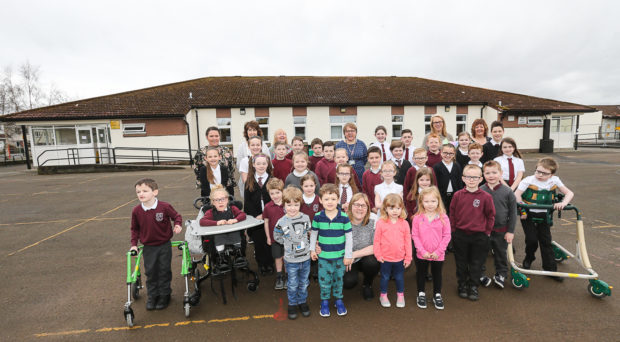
(427, 123)
(535, 120)
(463, 123)
(263, 126)
(340, 124)
(297, 125)
(395, 124)
(134, 128)
(221, 126)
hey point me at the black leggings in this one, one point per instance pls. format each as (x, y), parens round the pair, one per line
(262, 251)
(368, 265)
(422, 270)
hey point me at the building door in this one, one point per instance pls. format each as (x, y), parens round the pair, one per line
(86, 145)
(562, 131)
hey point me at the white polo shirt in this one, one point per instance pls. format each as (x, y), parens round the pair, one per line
(516, 162)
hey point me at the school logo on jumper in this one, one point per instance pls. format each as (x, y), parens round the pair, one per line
(315, 208)
(159, 217)
(476, 203)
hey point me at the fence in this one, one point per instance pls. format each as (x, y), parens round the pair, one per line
(112, 155)
(611, 139)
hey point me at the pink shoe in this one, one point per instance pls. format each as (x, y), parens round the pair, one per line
(400, 300)
(385, 302)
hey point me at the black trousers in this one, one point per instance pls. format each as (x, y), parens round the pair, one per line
(538, 233)
(368, 265)
(421, 271)
(499, 246)
(470, 252)
(262, 251)
(157, 261)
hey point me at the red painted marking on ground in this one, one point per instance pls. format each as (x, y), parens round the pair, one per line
(281, 314)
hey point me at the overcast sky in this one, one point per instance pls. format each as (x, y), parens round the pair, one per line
(564, 50)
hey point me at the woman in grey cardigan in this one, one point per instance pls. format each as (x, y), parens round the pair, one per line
(363, 228)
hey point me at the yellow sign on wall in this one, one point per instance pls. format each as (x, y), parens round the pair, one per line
(115, 124)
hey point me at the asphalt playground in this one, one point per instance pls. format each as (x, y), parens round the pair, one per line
(63, 240)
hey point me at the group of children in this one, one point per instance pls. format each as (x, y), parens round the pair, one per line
(428, 201)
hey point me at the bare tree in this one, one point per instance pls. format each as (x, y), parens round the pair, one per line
(56, 95)
(30, 84)
(13, 92)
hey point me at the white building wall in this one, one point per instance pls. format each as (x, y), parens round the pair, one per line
(238, 121)
(526, 138)
(281, 117)
(590, 123)
(369, 117)
(414, 120)
(317, 123)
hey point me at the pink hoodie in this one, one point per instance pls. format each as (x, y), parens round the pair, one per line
(392, 241)
(430, 236)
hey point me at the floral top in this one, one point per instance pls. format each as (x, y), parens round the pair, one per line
(227, 160)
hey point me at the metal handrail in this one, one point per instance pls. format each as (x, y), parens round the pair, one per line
(156, 157)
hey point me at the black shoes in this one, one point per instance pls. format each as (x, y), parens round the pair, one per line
(527, 263)
(162, 302)
(367, 293)
(151, 302)
(305, 309)
(292, 312)
(473, 293)
(463, 291)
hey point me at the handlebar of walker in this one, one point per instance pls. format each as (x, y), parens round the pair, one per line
(550, 207)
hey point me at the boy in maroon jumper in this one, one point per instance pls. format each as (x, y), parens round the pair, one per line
(282, 166)
(472, 216)
(317, 154)
(372, 176)
(434, 149)
(150, 224)
(273, 211)
(326, 167)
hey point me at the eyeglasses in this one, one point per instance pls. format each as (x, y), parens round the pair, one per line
(359, 206)
(472, 178)
(448, 153)
(419, 158)
(350, 131)
(387, 171)
(219, 200)
(543, 173)
(343, 174)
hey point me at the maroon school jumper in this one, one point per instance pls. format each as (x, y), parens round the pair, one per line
(433, 158)
(326, 171)
(273, 212)
(410, 178)
(472, 212)
(152, 227)
(369, 180)
(281, 168)
(312, 208)
(313, 161)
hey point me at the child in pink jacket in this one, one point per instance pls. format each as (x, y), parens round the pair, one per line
(430, 231)
(392, 247)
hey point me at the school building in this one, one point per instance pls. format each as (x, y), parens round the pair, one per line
(176, 115)
(610, 126)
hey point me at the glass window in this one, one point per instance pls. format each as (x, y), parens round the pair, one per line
(337, 122)
(427, 123)
(224, 124)
(43, 136)
(300, 126)
(461, 123)
(397, 125)
(84, 135)
(263, 123)
(101, 135)
(134, 128)
(65, 136)
(535, 120)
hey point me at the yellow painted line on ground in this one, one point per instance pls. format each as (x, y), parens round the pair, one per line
(262, 316)
(63, 333)
(118, 328)
(182, 323)
(78, 219)
(605, 225)
(156, 325)
(69, 229)
(222, 320)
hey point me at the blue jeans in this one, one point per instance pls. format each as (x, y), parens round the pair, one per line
(297, 284)
(397, 270)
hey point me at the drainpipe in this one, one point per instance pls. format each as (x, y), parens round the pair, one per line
(189, 143)
(197, 128)
(26, 151)
(481, 110)
(576, 134)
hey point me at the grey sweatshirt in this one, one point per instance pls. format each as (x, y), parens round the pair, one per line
(505, 207)
(292, 233)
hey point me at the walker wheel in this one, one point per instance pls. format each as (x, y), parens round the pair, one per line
(516, 286)
(186, 309)
(135, 289)
(252, 287)
(129, 316)
(594, 293)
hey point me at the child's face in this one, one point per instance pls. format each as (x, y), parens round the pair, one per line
(542, 174)
(298, 146)
(276, 195)
(424, 182)
(406, 138)
(497, 133)
(344, 175)
(255, 146)
(492, 175)
(281, 151)
(464, 142)
(329, 201)
(380, 135)
(292, 208)
(433, 144)
(475, 155)
(219, 200)
(318, 150)
(374, 159)
(145, 193)
(328, 152)
(430, 202)
(300, 163)
(447, 154)
(308, 188)
(397, 152)
(508, 149)
(394, 212)
(388, 172)
(420, 159)
(341, 157)
(472, 178)
(212, 158)
(260, 164)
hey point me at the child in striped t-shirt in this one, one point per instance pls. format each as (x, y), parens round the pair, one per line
(332, 228)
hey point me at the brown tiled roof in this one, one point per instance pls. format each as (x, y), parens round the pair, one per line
(173, 99)
(609, 111)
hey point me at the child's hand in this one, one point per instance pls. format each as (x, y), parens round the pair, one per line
(318, 249)
(406, 263)
(380, 260)
(313, 255)
(426, 255)
(560, 206)
(508, 237)
(231, 221)
(268, 240)
(348, 261)
(433, 256)
(259, 217)
(221, 222)
(177, 229)
(134, 248)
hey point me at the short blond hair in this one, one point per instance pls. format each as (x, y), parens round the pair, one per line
(291, 194)
(391, 201)
(549, 164)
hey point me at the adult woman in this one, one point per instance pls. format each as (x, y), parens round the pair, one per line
(278, 135)
(479, 131)
(438, 126)
(213, 140)
(363, 228)
(356, 149)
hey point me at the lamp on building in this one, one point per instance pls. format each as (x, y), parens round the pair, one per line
(343, 109)
(242, 111)
(447, 108)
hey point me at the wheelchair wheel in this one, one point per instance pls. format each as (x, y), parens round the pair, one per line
(252, 287)
(135, 289)
(516, 286)
(595, 294)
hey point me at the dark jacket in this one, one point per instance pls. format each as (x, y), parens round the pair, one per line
(401, 173)
(444, 177)
(252, 199)
(205, 188)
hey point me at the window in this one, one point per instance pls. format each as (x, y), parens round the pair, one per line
(300, 126)
(427, 123)
(134, 128)
(461, 123)
(84, 135)
(562, 124)
(336, 122)
(397, 125)
(263, 123)
(224, 124)
(43, 136)
(65, 135)
(535, 120)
